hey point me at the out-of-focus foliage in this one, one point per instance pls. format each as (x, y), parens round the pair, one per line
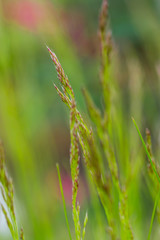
(34, 124)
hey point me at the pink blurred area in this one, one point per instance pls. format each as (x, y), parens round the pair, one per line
(53, 187)
(27, 14)
(67, 189)
(45, 16)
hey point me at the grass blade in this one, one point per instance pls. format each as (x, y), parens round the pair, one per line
(64, 204)
(153, 214)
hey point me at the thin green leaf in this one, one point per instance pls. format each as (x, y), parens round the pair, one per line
(153, 214)
(84, 226)
(64, 204)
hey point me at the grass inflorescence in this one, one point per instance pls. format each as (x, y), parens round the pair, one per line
(113, 182)
(81, 134)
(84, 134)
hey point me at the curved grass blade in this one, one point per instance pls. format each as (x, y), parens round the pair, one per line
(64, 204)
(153, 214)
(84, 226)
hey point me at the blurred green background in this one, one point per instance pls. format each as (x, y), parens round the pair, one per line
(34, 124)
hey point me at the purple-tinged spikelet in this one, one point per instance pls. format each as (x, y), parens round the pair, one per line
(60, 71)
(67, 89)
(22, 234)
(103, 15)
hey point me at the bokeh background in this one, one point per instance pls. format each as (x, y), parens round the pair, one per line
(34, 123)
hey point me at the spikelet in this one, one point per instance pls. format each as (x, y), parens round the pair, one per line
(22, 234)
(80, 132)
(74, 163)
(66, 88)
(84, 135)
(67, 96)
(149, 148)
